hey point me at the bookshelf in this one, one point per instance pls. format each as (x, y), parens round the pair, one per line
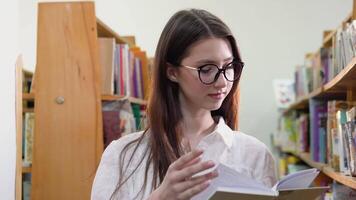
(68, 135)
(327, 170)
(342, 86)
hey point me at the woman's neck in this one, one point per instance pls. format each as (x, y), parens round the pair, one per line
(195, 126)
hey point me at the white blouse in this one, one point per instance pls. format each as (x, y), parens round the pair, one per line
(235, 149)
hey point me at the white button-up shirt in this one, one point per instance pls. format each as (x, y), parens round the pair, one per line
(235, 149)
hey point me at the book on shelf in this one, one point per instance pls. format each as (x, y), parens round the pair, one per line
(106, 54)
(318, 112)
(28, 138)
(350, 140)
(284, 92)
(231, 184)
(341, 121)
(303, 133)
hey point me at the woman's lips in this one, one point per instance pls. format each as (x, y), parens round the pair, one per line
(219, 95)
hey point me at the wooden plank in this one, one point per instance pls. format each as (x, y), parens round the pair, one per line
(301, 103)
(105, 31)
(130, 40)
(26, 170)
(28, 96)
(327, 170)
(327, 41)
(68, 128)
(339, 177)
(24, 110)
(351, 95)
(18, 177)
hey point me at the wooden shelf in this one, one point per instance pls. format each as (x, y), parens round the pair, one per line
(31, 96)
(28, 96)
(339, 177)
(25, 110)
(26, 170)
(328, 39)
(299, 104)
(119, 97)
(327, 170)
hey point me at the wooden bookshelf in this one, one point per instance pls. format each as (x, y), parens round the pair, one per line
(327, 170)
(67, 102)
(341, 87)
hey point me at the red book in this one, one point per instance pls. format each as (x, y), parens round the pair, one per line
(113, 126)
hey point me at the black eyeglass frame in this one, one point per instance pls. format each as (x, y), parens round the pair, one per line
(239, 64)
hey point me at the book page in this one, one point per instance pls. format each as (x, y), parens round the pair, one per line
(301, 179)
(230, 180)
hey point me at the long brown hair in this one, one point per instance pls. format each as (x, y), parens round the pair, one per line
(184, 28)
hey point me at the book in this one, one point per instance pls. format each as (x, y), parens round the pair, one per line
(107, 58)
(351, 139)
(231, 184)
(28, 144)
(341, 121)
(284, 92)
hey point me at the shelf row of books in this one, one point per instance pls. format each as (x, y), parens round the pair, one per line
(125, 70)
(321, 67)
(327, 131)
(289, 164)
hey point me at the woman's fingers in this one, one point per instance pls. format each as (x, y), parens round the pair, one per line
(192, 162)
(193, 169)
(189, 183)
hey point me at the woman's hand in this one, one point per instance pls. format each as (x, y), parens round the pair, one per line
(179, 183)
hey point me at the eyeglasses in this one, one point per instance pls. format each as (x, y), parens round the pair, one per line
(209, 73)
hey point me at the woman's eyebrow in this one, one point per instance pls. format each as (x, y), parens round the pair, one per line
(213, 61)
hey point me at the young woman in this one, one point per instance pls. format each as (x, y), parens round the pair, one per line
(192, 114)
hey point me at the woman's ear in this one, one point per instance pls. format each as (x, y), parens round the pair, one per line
(172, 73)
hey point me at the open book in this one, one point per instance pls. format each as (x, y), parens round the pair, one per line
(231, 185)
